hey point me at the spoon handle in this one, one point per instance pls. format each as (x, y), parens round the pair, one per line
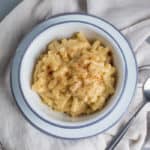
(122, 132)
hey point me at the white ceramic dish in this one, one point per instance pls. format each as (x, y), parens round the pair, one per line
(55, 123)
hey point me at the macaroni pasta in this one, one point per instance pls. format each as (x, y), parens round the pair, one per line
(75, 76)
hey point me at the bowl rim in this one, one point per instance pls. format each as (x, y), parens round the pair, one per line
(100, 117)
(92, 24)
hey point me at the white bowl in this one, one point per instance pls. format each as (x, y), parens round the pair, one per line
(59, 124)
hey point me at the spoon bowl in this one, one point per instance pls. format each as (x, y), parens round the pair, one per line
(146, 89)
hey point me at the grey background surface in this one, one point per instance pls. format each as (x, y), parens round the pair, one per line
(7, 5)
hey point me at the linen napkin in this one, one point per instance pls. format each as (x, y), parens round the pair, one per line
(132, 17)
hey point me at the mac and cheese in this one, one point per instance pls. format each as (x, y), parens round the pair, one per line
(75, 76)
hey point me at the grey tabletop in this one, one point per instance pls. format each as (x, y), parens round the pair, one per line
(7, 5)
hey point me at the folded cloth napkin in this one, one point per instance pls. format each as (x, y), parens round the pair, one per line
(131, 17)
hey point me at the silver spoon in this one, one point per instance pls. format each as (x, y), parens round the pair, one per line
(121, 133)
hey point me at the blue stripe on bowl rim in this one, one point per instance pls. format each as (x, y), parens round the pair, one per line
(132, 95)
(101, 117)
